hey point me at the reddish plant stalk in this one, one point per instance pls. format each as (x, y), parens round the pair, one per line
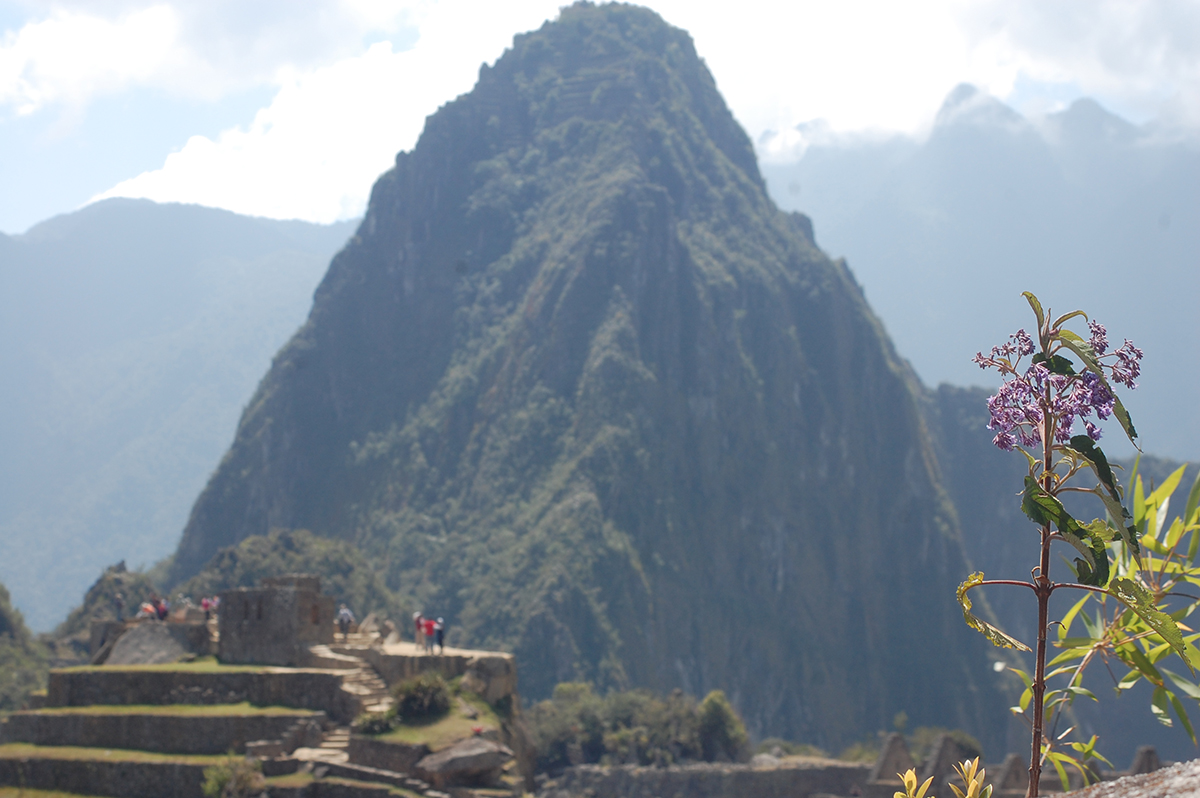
(1043, 588)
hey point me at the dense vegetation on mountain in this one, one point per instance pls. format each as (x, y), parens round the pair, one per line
(130, 336)
(23, 661)
(578, 386)
(345, 573)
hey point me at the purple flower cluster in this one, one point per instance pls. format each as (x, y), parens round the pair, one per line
(1019, 344)
(1099, 340)
(1128, 366)
(1026, 399)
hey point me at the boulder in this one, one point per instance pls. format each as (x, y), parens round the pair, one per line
(491, 677)
(474, 761)
(154, 643)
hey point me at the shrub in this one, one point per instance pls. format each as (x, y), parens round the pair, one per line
(236, 777)
(722, 734)
(636, 727)
(424, 697)
(375, 722)
(863, 751)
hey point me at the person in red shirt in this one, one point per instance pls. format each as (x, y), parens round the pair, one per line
(427, 625)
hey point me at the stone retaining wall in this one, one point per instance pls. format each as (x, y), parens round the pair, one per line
(175, 734)
(788, 779)
(302, 689)
(395, 756)
(118, 779)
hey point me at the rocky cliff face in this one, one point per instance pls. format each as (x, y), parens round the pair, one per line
(578, 386)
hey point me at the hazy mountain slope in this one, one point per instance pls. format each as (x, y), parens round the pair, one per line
(578, 386)
(1084, 209)
(984, 483)
(23, 661)
(131, 335)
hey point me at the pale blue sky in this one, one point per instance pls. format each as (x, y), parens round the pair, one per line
(95, 96)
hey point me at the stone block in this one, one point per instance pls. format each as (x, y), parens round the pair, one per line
(474, 761)
(264, 749)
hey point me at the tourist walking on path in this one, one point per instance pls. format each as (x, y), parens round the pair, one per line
(418, 630)
(439, 633)
(344, 619)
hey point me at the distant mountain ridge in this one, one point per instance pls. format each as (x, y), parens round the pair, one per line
(131, 334)
(578, 386)
(1081, 207)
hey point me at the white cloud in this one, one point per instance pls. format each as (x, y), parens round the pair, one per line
(314, 152)
(69, 57)
(192, 48)
(339, 118)
(1142, 55)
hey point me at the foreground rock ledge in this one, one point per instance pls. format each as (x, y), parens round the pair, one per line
(1181, 780)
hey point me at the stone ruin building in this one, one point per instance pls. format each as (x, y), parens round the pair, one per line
(275, 623)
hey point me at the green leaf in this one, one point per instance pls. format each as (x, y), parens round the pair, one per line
(1084, 692)
(1063, 319)
(1037, 307)
(1086, 448)
(1163, 493)
(1132, 655)
(1126, 420)
(1141, 601)
(1042, 508)
(1180, 713)
(1064, 627)
(1187, 688)
(994, 635)
(1158, 706)
(1056, 364)
(1193, 502)
(1055, 759)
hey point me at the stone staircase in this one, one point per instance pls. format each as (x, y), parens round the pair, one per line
(359, 679)
(333, 748)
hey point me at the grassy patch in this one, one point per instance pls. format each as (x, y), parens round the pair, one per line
(357, 783)
(451, 727)
(29, 751)
(201, 665)
(297, 779)
(188, 710)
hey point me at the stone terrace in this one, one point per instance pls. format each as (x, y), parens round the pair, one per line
(144, 731)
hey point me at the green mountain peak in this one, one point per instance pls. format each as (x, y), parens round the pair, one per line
(579, 387)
